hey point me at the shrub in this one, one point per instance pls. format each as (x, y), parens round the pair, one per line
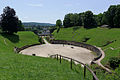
(48, 39)
(41, 40)
(114, 62)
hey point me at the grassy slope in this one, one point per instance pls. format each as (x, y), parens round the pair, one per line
(8, 42)
(18, 67)
(98, 37)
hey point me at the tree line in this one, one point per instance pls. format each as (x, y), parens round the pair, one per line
(111, 17)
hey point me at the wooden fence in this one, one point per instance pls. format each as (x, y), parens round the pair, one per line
(73, 60)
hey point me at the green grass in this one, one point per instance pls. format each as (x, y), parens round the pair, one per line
(8, 42)
(22, 67)
(97, 37)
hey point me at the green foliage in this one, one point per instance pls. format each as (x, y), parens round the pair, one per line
(114, 62)
(9, 22)
(59, 24)
(110, 14)
(67, 21)
(116, 19)
(82, 19)
(89, 21)
(104, 19)
(113, 15)
(52, 29)
(72, 20)
(98, 19)
(115, 75)
(41, 40)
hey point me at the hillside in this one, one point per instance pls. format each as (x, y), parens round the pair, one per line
(22, 67)
(107, 39)
(8, 42)
(36, 24)
(100, 37)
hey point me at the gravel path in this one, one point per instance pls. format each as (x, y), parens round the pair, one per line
(45, 50)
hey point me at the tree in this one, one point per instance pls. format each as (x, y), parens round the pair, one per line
(59, 24)
(98, 19)
(9, 20)
(104, 19)
(66, 21)
(110, 14)
(116, 19)
(75, 20)
(71, 20)
(89, 21)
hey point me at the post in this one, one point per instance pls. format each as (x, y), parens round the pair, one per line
(84, 71)
(60, 59)
(57, 57)
(95, 74)
(71, 63)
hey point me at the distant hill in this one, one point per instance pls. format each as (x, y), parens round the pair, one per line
(37, 24)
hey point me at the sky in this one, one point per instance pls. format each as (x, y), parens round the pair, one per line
(48, 11)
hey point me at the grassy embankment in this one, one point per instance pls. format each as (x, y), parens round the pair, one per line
(22, 67)
(107, 39)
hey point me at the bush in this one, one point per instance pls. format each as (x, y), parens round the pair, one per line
(114, 62)
(41, 40)
(48, 39)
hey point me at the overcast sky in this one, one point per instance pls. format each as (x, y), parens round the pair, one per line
(48, 11)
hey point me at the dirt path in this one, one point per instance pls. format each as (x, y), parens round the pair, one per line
(45, 50)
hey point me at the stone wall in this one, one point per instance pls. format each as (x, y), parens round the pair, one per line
(79, 44)
(17, 50)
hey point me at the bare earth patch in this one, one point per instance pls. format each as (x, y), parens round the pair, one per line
(78, 53)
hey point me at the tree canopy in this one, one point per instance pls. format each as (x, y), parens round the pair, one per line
(111, 17)
(89, 21)
(9, 21)
(59, 23)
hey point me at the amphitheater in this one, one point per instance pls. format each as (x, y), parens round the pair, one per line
(78, 53)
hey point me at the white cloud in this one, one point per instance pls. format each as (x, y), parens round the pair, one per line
(36, 5)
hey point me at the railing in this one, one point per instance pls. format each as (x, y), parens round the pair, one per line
(73, 60)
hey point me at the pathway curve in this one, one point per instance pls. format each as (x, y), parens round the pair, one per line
(78, 53)
(99, 61)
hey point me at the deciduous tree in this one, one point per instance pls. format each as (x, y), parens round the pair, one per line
(9, 20)
(89, 21)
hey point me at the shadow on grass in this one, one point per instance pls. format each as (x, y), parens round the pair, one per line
(12, 37)
(76, 28)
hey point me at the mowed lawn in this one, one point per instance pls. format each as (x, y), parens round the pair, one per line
(22, 67)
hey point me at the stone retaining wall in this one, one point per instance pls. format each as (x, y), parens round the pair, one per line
(79, 44)
(17, 50)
